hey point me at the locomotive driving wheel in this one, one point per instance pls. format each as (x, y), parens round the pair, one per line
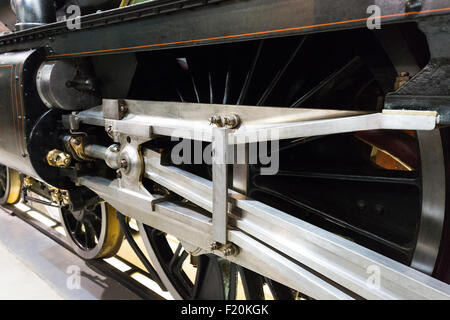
(10, 186)
(93, 231)
(384, 190)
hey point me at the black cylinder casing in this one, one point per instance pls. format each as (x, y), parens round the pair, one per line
(20, 107)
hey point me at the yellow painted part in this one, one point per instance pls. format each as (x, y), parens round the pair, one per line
(114, 235)
(124, 3)
(15, 187)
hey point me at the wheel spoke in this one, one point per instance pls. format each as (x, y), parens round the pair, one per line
(252, 284)
(331, 218)
(350, 177)
(92, 231)
(250, 73)
(226, 94)
(279, 291)
(280, 74)
(215, 279)
(91, 234)
(354, 64)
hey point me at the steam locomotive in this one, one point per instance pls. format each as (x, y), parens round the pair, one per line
(108, 109)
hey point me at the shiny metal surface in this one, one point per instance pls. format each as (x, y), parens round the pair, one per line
(33, 13)
(433, 201)
(336, 258)
(199, 191)
(95, 151)
(347, 266)
(287, 271)
(275, 236)
(53, 84)
(191, 121)
(400, 120)
(220, 185)
(195, 228)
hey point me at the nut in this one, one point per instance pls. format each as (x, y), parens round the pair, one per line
(76, 141)
(230, 250)
(215, 246)
(216, 119)
(115, 148)
(123, 163)
(231, 121)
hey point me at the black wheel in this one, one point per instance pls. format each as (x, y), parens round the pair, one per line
(94, 231)
(382, 189)
(195, 276)
(10, 186)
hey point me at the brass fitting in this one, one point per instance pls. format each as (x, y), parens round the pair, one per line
(77, 144)
(28, 182)
(58, 158)
(59, 196)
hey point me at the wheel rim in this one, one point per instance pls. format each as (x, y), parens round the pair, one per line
(10, 186)
(433, 201)
(93, 232)
(372, 198)
(4, 182)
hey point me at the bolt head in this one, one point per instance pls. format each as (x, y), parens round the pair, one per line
(230, 251)
(215, 119)
(231, 121)
(115, 148)
(214, 246)
(76, 141)
(123, 163)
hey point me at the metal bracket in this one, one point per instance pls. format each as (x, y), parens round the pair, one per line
(114, 109)
(220, 184)
(429, 89)
(129, 158)
(160, 200)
